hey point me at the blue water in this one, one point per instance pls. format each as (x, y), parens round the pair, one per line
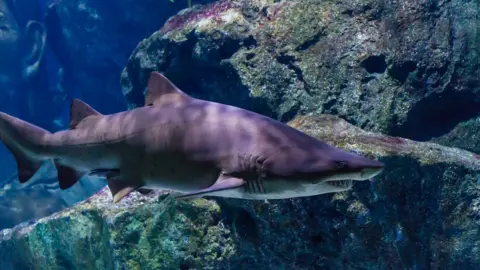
(77, 49)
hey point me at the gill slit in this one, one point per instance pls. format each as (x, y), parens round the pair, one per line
(256, 185)
(254, 173)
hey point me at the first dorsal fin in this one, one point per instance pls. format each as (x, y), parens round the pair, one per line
(79, 110)
(161, 89)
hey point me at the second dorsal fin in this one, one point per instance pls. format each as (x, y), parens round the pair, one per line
(161, 89)
(80, 110)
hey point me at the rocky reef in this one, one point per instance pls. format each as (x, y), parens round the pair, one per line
(405, 68)
(41, 196)
(422, 212)
(465, 135)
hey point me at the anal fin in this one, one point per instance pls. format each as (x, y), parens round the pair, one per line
(223, 183)
(67, 176)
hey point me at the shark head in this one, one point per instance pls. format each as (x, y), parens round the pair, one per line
(318, 170)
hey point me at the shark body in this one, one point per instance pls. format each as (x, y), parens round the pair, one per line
(191, 146)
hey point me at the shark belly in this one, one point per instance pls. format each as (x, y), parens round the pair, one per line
(177, 173)
(277, 189)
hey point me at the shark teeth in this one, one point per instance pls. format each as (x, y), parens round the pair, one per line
(341, 183)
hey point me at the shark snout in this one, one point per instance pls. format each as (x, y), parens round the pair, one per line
(368, 173)
(361, 167)
(370, 168)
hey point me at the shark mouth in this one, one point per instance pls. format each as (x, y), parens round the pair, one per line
(341, 183)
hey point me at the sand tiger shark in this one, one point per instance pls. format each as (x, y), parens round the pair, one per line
(190, 146)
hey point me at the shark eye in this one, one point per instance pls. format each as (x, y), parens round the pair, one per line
(341, 164)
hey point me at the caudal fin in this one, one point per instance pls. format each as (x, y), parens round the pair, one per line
(24, 141)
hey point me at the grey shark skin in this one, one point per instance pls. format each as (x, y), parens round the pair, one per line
(187, 145)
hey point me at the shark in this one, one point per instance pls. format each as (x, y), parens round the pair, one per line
(189, 146)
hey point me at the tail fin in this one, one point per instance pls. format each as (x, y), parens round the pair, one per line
(24, 140)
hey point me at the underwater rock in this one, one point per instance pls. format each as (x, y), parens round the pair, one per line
(141, 232)
(422, 212)
(405, 68)
(41, 196)
(465, 135)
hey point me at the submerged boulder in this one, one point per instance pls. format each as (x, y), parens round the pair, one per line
(465, 135)
(41, 196)
(406, 68)
(421, 212)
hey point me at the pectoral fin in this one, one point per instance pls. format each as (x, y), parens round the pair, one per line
(223, 183)
(120, 188)
(144, 191)
(108, 173)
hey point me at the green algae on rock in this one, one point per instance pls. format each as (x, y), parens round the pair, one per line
(40, 196)
(422, 211)
(465, 135)
(141, 232)
(340, 133)
(386, 66)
